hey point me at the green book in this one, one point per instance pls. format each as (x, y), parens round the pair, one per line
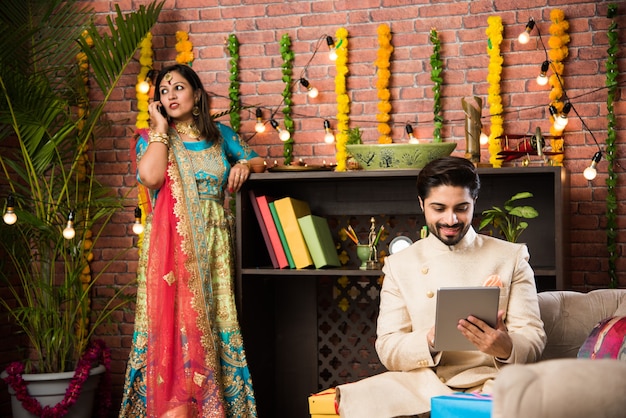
(281, 234)
(319, 240)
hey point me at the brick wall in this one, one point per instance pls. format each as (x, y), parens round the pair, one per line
(461, 26)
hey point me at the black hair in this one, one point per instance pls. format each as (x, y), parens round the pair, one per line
(204, 122)
(448, 171)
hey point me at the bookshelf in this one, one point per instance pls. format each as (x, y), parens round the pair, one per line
(279, 308)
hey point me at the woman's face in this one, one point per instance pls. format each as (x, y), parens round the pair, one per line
(177, 96)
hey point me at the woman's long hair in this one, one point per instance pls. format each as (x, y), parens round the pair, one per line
(204, 121)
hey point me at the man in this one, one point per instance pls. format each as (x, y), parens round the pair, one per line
(453, 255)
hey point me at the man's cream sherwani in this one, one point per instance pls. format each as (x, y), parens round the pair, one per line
(407, 312)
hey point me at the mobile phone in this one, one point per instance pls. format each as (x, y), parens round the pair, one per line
(162, 111)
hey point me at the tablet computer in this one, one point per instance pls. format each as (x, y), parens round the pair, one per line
(454, 303)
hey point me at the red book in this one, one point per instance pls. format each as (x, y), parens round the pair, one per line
(260, 204)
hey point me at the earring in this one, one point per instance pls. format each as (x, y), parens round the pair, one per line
(195, 111)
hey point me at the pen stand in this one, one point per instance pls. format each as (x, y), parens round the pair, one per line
(363, 252)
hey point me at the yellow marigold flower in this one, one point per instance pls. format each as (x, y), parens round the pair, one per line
(557, 15)
(382, 117)
(181, 35)
(384, 94)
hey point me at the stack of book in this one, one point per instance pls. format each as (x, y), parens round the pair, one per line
(295, 238)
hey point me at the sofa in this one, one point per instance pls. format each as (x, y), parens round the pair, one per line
(561, 385)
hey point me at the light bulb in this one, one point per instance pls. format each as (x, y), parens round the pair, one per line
(560, 122)
(259, 127)
(484, 138)
(329, 138)
(409, 131)
(523, 38)
(143, 87)
(138, 226)
(591, 172)
(542, 78)
(332, 54)
(69, 232)
(313, 92)
(283, 134)
(9, 216)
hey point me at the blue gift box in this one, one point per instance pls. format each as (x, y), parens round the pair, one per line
(466, 405)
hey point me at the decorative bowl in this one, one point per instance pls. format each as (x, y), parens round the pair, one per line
(382, 156)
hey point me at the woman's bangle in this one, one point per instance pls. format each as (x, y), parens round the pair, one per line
(158, 137)
(243, 161)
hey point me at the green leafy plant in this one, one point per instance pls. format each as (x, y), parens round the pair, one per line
(354, 135)
(508, 220)
(612, 71)
(287, 70)
(436, 75)
(234, 92)
(50, 53)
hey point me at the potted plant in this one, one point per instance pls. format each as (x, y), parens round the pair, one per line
(51, 52)
(508, 220)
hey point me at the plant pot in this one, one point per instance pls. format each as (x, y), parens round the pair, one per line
(49, 389)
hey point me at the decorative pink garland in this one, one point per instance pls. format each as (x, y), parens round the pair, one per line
(96, 351)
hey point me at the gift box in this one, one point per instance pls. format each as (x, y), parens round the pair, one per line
(323, 405)
(466, 405)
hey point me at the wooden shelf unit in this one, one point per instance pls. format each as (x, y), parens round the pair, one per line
(278, 308)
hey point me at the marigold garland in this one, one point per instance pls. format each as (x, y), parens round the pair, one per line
(385, 50)
(145, 59)
(233, 91)
(343, 100)
(97, 352)
(558, 52)
(287, 70)
(612, 71)
(184, 48)
(494, 39)
(436, 75)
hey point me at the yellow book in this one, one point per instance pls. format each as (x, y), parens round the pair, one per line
(323, 404)
(324, 416)
(289, 210)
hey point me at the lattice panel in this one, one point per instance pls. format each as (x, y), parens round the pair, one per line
(347, 312)
(348, 306)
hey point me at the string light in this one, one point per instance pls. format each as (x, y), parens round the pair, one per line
(332, 55)
(484, 138)
(259, 126)
(329, 138)
(9, 216)
(138, 226)
(590, 172)
(312, 91)
(283, 134)
(69, 232)
(542, 78)
(524, 37)
(409, 131)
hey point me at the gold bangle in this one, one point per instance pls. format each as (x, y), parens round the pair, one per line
(242, 161)
(158, 137)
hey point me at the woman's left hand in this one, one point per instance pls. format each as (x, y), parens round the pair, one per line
(239, 173)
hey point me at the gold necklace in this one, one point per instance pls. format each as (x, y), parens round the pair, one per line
(189, 129)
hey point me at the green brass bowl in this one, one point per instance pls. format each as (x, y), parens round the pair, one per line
(392, 156)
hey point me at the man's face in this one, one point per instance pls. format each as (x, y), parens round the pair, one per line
(448, 211)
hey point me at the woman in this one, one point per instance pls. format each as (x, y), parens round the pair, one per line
(187, 358)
